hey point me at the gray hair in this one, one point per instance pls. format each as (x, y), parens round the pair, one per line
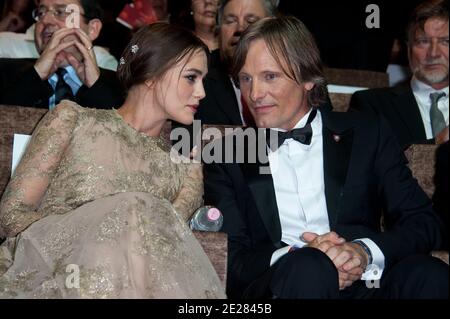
(269, 5)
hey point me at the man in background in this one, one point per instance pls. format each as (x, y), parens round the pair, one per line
(418, 110)
(67, 67)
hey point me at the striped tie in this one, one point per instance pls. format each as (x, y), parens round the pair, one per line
(62, 89)
(436, 116)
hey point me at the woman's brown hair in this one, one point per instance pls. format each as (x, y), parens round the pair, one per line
(153, 50)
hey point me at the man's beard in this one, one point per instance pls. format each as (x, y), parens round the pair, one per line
(431, 77)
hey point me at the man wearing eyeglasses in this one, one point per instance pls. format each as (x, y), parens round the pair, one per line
(67, 67)
(418, 111)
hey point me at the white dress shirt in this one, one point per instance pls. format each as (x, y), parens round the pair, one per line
(299, 185)
(422, 93)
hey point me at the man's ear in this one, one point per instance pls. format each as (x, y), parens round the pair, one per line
(94, 28)
(308, 86)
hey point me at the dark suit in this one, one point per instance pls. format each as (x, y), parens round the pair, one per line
(21, 85)
(365, 172)
(399, 106)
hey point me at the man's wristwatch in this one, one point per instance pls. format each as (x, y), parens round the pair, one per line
(366, 249)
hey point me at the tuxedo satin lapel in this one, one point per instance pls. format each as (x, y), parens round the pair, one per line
(409, 112)
(225, 96)
(263, 192)
(337, 150)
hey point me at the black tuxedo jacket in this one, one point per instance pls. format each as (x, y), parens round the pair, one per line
(399, 106)
(21, 85)
(365, 173)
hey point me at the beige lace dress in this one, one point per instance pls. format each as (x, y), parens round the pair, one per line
(96, 209)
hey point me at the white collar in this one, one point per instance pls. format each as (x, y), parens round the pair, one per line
(71, 73)
(423, 89)
(301, 123)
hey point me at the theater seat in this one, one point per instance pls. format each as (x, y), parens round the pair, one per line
(422, 162)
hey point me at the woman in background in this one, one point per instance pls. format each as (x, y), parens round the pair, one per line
(200, 17)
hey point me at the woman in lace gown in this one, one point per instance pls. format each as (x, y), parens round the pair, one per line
(97, 207)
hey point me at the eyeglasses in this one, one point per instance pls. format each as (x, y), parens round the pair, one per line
(60, 12)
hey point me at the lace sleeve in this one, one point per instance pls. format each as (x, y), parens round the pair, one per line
(190, 196)
(23, 195)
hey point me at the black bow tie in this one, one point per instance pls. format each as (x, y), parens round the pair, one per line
(302, 135)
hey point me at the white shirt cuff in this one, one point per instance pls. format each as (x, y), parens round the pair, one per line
(277, 254)
(375, 270)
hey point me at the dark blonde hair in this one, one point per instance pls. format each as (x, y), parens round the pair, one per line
(153, 50)
(289, 41)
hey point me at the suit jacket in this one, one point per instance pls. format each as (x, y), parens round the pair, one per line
(365, 173)
(21, 85)
(399, 106)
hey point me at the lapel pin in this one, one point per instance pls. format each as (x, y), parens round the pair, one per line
(336, 138)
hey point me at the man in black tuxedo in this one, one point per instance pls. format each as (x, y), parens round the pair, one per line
(418, 111)
(66, 68)
(311, 227)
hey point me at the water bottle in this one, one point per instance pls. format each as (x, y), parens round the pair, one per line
(206, 218)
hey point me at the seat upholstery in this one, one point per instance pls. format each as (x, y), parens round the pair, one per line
(358, 78)
(422, 162)
(353, 78)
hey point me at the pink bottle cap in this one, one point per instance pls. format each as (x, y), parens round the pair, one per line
(213, 214)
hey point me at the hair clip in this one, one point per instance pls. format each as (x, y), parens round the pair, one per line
(122, 61)
(134, 49)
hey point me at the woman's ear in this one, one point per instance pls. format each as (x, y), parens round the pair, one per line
(94, 28)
